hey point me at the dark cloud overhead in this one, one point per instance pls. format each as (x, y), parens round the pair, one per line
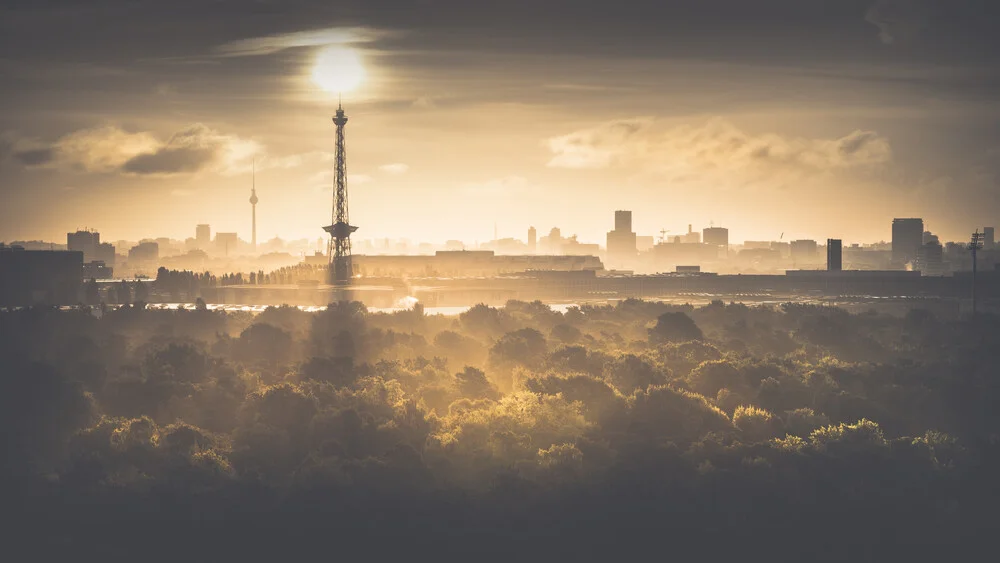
(170, 161)
(35, 157)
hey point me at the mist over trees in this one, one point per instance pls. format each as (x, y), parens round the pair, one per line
(608, 432)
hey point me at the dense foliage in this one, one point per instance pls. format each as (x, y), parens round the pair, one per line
(797, 432)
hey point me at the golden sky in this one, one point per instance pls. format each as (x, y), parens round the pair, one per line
(813, 119)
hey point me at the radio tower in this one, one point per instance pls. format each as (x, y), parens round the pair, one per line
(340, 229)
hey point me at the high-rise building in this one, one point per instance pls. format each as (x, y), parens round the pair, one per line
(623, 221)
(203, 235)
(621, 243)
(804, 251)
(907, 238)
(716, 236)
(532, 240)
(86, 242)
(834, 255)
(988, 238)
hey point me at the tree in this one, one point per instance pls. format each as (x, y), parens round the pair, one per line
(264, 342)
(674, 327)
(141, 292)
(472, 384)
(526, 347)
(565, 333)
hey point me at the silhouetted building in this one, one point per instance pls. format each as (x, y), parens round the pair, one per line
(621, 241)
(51, 277)
(930, 259)
(106, 254)
(85, 242)
(573, 247)
(907, 238)
(716, 236)
(784, 249)
(644, 243)
(470, 264)
(552, 243)
(988, 238)
(97, 270)
(834, 255)
(668, 255)
(688, 269)
(144, 256)
(804, 251)
(623, 221)
(203, 235)
(532, 240)
(691, 237)
(225, 243)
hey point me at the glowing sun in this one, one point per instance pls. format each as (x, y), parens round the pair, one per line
(338, 69)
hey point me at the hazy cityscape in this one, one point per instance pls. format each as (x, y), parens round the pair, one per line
(685, 280)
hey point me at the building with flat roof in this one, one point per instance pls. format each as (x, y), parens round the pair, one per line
(834, 254)
(930, 259)
(804, 251)
(907, 238)
(716, 236)
(86, 242)
(621, 242)
(203, 235)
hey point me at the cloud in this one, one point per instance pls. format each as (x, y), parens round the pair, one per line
(110, 149)
(714, 145)
(898, 20)
(395, 168)
(35, 157)
(313, 38)
(102, 149)
(598, 147)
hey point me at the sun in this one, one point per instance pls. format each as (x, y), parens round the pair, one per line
(338, 69)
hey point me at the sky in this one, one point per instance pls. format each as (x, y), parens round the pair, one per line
(775, 118)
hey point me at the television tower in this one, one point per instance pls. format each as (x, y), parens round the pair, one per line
(253, 206)
(340, 229)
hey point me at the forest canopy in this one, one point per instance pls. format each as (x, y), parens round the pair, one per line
(601, 432)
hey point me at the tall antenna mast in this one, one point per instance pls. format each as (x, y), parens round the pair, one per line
(340, 229)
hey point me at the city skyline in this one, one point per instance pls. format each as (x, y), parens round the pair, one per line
(855, 114)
